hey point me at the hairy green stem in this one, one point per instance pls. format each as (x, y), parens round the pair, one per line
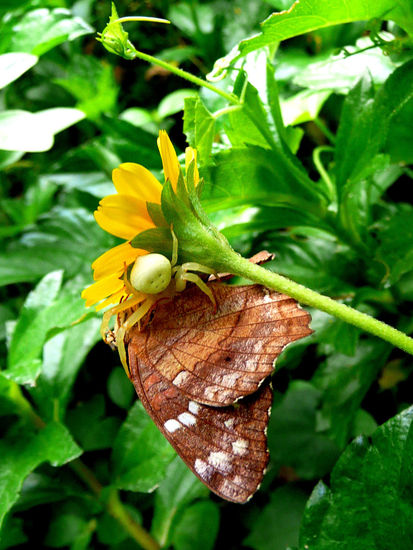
(187, 76)
(242, 267)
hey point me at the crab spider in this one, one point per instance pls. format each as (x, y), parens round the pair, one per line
(152, 278)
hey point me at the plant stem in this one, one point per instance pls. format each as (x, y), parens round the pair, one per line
(136, 531)
(242, 267)
(322, 171)
(187, 76)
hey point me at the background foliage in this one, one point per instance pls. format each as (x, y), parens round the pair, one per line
(328, 191)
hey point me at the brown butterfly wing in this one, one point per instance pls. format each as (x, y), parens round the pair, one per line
(225, 447)
(217, 356)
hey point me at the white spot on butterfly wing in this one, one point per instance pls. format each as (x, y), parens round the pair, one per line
(172, 425)
(187, 419)
(193, 407)
(240, 447)
(180, 378)
(203, 469)
(220, 460)
(229, 423)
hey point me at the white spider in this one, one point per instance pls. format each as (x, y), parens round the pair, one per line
(152, 278)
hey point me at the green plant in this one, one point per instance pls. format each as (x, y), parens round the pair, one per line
(304, 146)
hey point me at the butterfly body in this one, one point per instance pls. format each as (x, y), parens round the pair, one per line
(201, 374)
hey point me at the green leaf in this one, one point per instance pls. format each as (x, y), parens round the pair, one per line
(315, 261)
(396, 237)
(199, 128)
(340, 72)
(293, 439)
(34, 132)
(13, 65)
(140, 453)
(65, 238)
(22, 452)
(45, 309)
(175, 101)
(309, 15)
(303, 106)
(277, 525)
(368, 505)
(178, 489)
(12, 533)
(344, 381)
(93, 84)
(41, 30)
(120, 390)
(399, 143)
(199, 522)
(99, 431)
(364, 124)
(63, 356)
(255, 176)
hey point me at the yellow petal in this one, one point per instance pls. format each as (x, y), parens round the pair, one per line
(123, 216)
(114, 260)
(134, 179)
(102, 289)
(169, 159)
(114, 299)
(190, 154)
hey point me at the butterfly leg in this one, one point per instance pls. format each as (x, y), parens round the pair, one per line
(129, 323)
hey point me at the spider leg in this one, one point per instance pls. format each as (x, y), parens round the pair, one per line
(130, 321)
(199, 283)
(130, 302)
(194, 266)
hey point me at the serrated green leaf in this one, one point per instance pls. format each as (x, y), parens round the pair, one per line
(140, 453)
(23, 452)
(396, 237)
(262, 177)
(277, 525)
(369, 504)
(293, 439)
(309, 15)
(178, 489)
(199, 128)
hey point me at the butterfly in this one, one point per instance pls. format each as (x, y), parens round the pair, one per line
(202, 374)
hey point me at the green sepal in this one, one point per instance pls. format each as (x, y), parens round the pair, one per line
(155, 212)
(195, 192)
(115, 39)
(157, 239)
(198, 240)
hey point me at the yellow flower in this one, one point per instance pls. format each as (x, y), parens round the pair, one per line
(125, 215)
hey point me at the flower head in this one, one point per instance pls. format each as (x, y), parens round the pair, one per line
(126, 214)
